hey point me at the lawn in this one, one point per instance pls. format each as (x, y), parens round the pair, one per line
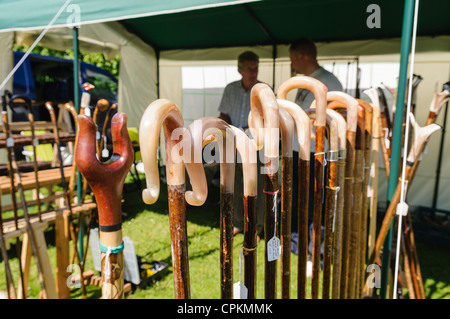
(148, 227)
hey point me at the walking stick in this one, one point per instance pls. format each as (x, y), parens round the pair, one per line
(330, 196)
(302, 125)
(287, 137)
(352, 117)
(203, 132)
(72, 180)
(50, 110)
(247, 150)
(265, 115)
(106, 181)
(15, 176)
(368, 112)
(34, 144)
(164, 113)
(421, 135)
(319, 91)
(373, 187)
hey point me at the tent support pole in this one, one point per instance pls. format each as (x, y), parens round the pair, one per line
(76, 102)
(408, 14)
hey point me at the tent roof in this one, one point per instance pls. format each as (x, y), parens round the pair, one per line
(179, 24)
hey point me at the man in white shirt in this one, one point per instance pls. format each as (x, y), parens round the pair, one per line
(303, 56)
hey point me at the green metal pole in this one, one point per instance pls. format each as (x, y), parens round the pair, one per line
(407, 26)
(76, 102)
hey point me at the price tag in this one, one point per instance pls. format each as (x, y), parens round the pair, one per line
(240, 291)
(35, 142)
(87, 111)
(273, 249)
(402, 209)
(98, 136)
(105, 152)
(9, 142)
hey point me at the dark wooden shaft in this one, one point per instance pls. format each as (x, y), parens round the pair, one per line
(285, 225)
(178, 237)
(318, 204)
(348, 200)
(270, 267)
(226, 244)
(250, 244)
(303, 202)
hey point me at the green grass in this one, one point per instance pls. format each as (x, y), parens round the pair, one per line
(148, 228)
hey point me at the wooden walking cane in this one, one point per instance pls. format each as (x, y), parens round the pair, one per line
(164, 114)
(72, 181)
(302, 125)
(16, 178)
(351, 117)
(368, 112)
(68, 200)
(354, 226)
(203, 132)
(34, 144)
(330, 196)
(265, 115)
(248, 152)
(421, 135)
(373, 186)
(287, 137)
(106, 181)
(319, 91)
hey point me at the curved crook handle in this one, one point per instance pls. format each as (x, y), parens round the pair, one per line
(164, 113)
(287, 132)
(105, 179)
(333, 126)
(201, 133)
(372, 93)
(351, 104)
(421, 135)
(438, 100)
(247, 150)
(265, 115)
(318, 89)
(302, 125)
(341, 127)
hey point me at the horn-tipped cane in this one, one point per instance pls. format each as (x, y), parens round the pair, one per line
(265, 115)
(106, 181)
(330, 199)
(319, 91)
(164, 113)
(302, 125)
(351, 118)
(248, 152)
(203, 132)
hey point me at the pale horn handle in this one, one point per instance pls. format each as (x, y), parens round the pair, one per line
(318, 89)
(421, 135)
(302, 125)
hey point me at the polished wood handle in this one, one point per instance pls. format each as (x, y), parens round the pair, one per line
(106, 179)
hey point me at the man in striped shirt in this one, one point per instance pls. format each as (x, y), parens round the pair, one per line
(234, 109)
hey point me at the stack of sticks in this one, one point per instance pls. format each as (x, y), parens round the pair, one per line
(346, 178)
(69, 216)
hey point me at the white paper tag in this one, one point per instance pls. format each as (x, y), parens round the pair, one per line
(240, 291)
(9, 142)
(369, 191)
(87, 111)
(105, 152)
(273, 249)
(98, 136)
(402, 209)
(35, 142)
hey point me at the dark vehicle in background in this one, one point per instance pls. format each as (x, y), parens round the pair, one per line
(47, 78)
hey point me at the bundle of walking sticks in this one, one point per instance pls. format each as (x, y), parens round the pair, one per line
(346, 175)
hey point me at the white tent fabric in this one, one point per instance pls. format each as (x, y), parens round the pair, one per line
(137, 80)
